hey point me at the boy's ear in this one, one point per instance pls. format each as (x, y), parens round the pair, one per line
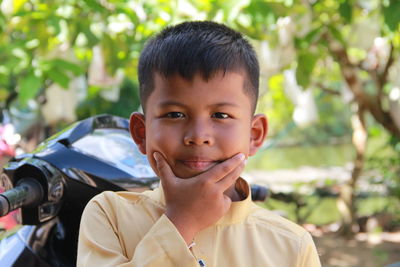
(259, 129)
(137, 128)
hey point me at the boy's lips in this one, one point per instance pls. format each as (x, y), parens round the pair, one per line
(199, 164)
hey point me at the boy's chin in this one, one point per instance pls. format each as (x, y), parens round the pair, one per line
(190, 174)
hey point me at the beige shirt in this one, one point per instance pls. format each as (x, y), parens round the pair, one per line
(130, 229)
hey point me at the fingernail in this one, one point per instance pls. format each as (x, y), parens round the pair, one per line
(245, 161)
(242, 156)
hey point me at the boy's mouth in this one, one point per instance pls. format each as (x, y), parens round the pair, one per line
(199, 164)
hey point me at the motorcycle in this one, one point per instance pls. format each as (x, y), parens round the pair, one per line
(52, 185)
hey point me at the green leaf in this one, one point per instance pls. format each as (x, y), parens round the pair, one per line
(3, 23)
(309, 39)
(91, 37)
(54, 22)
(336, 34)
(391, 14)
(121, 8)
(29, 87)
(313, 35)
(59, 77)
(67, 65)
(346, 11)
(95, 6)
(93, 91)
(17, 4)
(232, 8)
(257, 8)
(110, 49)
(305, 66)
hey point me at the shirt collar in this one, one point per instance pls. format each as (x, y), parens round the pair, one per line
(236, 213)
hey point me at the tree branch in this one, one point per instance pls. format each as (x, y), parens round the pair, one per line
(327, 90)
(382, 77)
(350, 75)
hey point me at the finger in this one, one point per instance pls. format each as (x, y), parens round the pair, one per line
(163, 168)
(227, 203)
(231, 177)
(220, 170)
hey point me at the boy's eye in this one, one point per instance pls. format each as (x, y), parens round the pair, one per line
(220, 115)
(175, 115)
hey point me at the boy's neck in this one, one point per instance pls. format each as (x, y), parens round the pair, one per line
(233, 194)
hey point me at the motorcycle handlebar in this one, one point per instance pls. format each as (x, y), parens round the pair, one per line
(27, 193)
(258, 192)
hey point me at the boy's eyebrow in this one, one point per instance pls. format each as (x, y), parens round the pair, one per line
(175, 103)
(171, 103)
(223, 104)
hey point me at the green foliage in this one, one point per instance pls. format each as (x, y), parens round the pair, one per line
(44, 42)
(292, 157)
(375, 204)
(32, 34)
(385, 158)
(276, 105)
(29, 87)
(262, 17)
(391, 13)
(323, 210)
(94, 104)
(306, 63)
(346, 10)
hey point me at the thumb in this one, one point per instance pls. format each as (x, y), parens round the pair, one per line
(164, 170)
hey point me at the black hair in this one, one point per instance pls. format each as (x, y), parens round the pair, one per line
(203, 47)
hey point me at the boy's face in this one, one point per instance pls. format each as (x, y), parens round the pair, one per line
(198, 124)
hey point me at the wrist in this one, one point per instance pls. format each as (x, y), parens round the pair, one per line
(184, 226)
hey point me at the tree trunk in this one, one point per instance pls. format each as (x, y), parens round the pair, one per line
(346, 200)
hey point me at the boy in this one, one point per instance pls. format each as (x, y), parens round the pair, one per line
(198, 88)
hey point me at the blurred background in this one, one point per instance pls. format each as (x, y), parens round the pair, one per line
(330, 86)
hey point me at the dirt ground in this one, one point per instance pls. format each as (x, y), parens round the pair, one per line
(366, 250)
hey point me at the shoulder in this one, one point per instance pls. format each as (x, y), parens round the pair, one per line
(110, 200)
(120, 209)
(110, 197)
(268, 221)
(280, 239)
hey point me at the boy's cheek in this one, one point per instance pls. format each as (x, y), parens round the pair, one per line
(152, 162)
(150, 151)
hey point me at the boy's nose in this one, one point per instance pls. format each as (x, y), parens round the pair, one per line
(197, 140)
(197, 134)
